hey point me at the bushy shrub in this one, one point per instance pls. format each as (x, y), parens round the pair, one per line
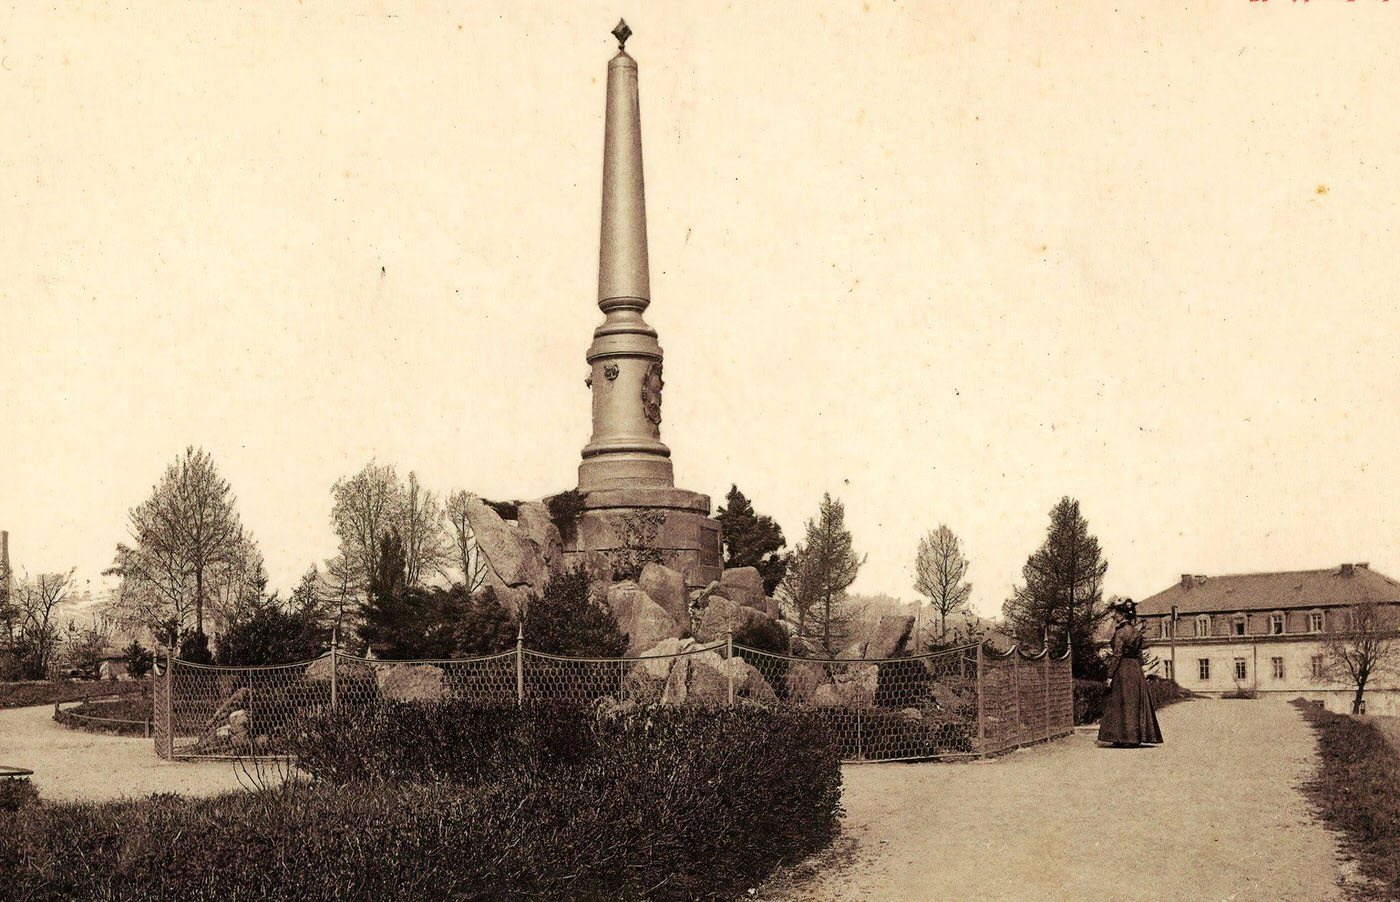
(195, 647)
(1167, 692)
(1089, 699)
(668, 804)
(763, 634)
(564, 510)
(506, 510)
(269, 632)
(460, 742)
(568, 620)
(138, 659)
(15, 793)
(481, 625)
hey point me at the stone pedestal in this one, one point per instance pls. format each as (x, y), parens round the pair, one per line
(688, 539)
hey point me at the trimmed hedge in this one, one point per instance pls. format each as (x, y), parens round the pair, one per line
(132, 712)
(46, 692)
(659, 804)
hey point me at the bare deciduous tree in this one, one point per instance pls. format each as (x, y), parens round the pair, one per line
(34, 600)
(363, 508)
(467, 554)
(420, 519)
(940, 571)
(366, 507)
(1367, 646)
(184, 536)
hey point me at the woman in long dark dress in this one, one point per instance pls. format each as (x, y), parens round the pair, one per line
(1128, 716)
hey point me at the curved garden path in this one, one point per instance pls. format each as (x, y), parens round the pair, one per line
(1213, 814)
(73, 765)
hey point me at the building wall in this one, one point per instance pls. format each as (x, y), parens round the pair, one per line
(1382, 694)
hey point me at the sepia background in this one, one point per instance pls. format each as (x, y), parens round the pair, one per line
(947, 261)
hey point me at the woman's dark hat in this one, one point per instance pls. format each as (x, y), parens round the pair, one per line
(1127, 607)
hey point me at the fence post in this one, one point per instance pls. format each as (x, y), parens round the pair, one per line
(1016, 690)
(335, 642)
(729, 663)
(981, 705)
(1048, 664)
(520, 665)
(169, 695)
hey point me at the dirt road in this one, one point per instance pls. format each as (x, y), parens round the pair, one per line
(73, 765)
(1213, 814)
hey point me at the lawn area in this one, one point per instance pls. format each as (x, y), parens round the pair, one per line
(24, 693)
(1358, 791)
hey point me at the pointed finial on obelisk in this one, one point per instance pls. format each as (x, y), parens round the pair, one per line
(622, 33)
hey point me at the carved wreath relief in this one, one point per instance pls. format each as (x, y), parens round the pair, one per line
(651, 393)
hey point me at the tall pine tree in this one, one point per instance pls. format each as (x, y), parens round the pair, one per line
(752, 539)
(1062, 596)
(821, 570)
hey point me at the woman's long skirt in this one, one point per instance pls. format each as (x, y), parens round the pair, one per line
(1128, 715)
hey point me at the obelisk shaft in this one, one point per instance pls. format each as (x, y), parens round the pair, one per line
(625, 450)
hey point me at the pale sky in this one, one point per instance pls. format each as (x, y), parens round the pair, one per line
(948, 261)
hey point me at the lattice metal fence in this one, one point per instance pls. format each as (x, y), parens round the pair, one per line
(956, 703)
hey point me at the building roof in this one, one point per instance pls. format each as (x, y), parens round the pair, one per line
(1342, 585)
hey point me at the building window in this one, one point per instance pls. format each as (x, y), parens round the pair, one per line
(1276, 623)
(1167, 670)
(1238, 625)
(1315, 622)
(1278, 668)
(1166, 627)
(1203, 668)
(1317, 667)
(1203, 625)
(1241, 672)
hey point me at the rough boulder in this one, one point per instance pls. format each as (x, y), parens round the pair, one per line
(643, 620)
(411, 682)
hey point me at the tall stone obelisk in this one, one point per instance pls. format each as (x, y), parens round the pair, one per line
(626, 468)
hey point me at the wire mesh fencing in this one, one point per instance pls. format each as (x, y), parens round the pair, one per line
(959, 702)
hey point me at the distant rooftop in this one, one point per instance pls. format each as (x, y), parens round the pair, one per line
(1342, 585)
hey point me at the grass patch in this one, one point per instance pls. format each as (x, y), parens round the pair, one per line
(1357, 789)
(416, 801)
(26, 693)
(15, 793)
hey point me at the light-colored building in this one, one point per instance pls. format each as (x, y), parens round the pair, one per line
(1267, 632)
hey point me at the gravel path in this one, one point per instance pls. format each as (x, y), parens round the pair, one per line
(1213, 814)
(75, 765)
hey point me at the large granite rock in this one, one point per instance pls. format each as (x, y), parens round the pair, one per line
(802, 680)
(666, 675)
(411, 682)
(510, 554)
(889, 638)
(644, 621)
(539, 528)
(721, 616)
(666, 587)
(744, 585)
